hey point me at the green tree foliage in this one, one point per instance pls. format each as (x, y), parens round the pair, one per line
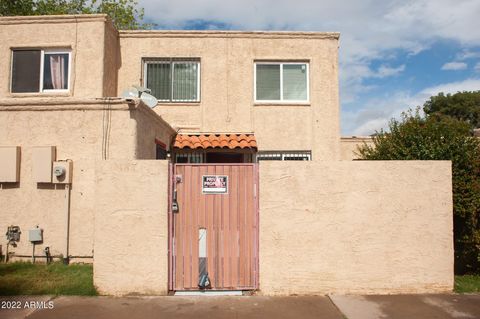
(437, 137)
(124, 13)
(464, 106)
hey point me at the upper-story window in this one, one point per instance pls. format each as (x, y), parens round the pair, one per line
(284, 82)
(40, 71)
(173, 80)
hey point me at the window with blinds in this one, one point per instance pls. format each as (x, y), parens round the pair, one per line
(173, 80)
(281, 82)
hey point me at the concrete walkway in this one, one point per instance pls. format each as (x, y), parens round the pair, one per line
(335, 307)
(444, 306)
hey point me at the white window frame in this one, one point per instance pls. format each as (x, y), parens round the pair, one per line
(281, 100)
(283, 154)
(172, 63)
(42, 67)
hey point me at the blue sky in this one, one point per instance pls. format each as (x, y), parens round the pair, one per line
(393, 54)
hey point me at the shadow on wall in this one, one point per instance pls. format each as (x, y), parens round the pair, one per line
(9, 185)
(52, 186)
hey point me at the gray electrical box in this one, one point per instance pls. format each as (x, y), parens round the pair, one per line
(35, 235)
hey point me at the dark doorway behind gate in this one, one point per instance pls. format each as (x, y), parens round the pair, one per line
(217, 224)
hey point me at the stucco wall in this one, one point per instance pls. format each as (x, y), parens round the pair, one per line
(227, 85)
(355, 227)
(131, 239)
(105, 62)
(77, 129)
(349, 146)
(85, 35)
(150, 127)
(112, 60)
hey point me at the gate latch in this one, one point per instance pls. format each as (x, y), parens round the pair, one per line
(174, 202)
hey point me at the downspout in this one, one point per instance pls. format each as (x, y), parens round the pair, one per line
(67, 222)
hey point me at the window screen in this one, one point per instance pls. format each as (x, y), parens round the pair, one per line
(173, 80)
(26, 71)
(281, 81)
(184, 81)
(159, 80)
(268, 82)
(295, 82)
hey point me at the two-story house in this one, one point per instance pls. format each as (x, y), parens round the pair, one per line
(232, 181)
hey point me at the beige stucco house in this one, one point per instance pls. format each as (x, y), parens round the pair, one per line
(238, 175)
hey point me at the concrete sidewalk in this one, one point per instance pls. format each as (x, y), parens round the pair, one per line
(439, 306)
(336, 307)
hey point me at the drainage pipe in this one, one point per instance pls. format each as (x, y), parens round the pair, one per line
(33, 252)
(67, 223)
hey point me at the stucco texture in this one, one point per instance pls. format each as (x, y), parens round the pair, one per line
(227, 85)
(82, 131)
(93, 65)
(355, 227)
(131, 237)
(349, 146)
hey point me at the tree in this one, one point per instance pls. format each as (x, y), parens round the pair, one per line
(464, 106)
(438, 137)
(124, 13)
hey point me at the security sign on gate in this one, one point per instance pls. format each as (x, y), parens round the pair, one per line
(214, 184)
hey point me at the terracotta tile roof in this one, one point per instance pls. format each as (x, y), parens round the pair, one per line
(230, 141)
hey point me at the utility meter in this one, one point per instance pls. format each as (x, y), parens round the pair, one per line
(59, 171)
(13, 234)
(62, 172)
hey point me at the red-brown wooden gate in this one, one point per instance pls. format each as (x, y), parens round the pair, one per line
(219, 202)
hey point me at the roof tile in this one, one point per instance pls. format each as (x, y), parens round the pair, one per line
(230, 141)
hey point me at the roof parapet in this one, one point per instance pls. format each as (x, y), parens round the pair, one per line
(228, 34)
(41, 19)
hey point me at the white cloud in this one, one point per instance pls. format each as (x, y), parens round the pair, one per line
(468, 54)
(370, 30)
(454, 66)
(386, 71)
(477, 67)
(453, 87)
(379, 111)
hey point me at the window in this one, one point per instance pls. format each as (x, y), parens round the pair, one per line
(40, 71)
(189, 158)
(173, 80)
(161, 152)
(284, 156)
(285, 82)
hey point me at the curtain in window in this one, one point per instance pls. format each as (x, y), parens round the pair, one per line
(268, 82)
(294, 82)
(158, 80)
(185, 81)
(55, 71)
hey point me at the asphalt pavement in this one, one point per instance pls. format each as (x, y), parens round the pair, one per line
(438, 306)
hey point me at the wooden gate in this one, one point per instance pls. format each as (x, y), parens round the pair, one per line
(215, 225)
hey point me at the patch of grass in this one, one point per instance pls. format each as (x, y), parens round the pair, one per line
(21, 278)
(467, 284)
